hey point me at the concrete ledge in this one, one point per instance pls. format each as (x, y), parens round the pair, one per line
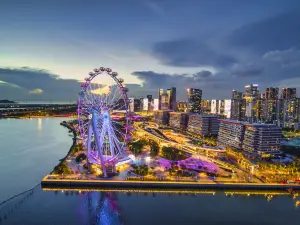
(65, 183)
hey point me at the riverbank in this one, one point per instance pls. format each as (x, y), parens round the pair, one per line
(66, 125)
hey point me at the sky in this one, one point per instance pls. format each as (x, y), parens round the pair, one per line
(48, 47)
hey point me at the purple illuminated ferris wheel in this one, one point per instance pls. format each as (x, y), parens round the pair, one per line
(104, 118)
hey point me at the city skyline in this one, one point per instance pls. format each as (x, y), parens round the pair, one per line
(48, 47)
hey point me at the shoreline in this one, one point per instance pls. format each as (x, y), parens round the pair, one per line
(73, 144)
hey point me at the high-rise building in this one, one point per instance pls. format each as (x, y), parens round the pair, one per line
(269, 105)
(236, 95)
(262, 138)
(253, 138)
(238, 106)
(271, 93)
(179, 120)
(251, 91)
(160, 93)
(231, 134)
(131, 104)
(145, 104)
(137, 105)
(214, 106)
(150, 103)
(238, 109)
(155, 104)
(290, 112)
(253, 103)
(205, 106)
(194, 99)
(164, 103)
(289, 93)
(182, 106)
(162, 117)
(203, 125)
(171, 93)
(227, 108)
(269, 110)
(168, 100)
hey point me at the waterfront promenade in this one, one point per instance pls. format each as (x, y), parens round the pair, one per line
(107, 183)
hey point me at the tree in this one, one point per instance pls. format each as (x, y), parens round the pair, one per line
(182, 166)
(136, 147)
(154, 148)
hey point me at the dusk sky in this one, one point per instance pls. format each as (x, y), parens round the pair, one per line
(48, 46)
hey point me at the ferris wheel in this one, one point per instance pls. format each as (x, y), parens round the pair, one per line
(104, 118)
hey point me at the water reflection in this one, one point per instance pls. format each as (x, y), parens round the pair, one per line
(108, 195)
(40, 124)
(102, 208)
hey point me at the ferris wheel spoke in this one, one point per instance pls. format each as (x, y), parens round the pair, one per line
(117, 96)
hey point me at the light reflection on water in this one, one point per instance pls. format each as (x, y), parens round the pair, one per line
(40, 124)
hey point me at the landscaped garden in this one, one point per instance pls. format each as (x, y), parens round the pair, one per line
(173, 154)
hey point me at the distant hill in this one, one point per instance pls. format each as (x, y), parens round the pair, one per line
(6, 101)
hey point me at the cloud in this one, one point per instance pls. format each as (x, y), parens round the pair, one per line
(286, 58)
(154, 6)
(190, 53)
(29, 83)
(279, 32)
(246, 70)
(203, 74)
(38, 84)
(152, 81)
(37, 91)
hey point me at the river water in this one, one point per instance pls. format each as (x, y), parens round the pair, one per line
(30, 148)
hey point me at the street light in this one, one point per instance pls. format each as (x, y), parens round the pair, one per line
(148, 159)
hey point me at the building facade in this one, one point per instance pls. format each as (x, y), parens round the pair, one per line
(254, 138)
(161, 117)
(203, 124)
(194, 99)
(182, 106)
(262, 138)
(171, 93)
(231, 134)
(179, 120)
(288, 93)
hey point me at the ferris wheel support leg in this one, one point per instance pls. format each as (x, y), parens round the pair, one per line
(89, 144)
(98, 142)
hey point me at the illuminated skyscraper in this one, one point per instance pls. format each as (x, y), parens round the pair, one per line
(272, 93)
(253, 103)
(171, 93)
(194, 99)
(289, 93)
(160, 93)
(164, 103)
(269, 105)
(168, 100)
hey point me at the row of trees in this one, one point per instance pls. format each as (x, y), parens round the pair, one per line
(62, 169)
(77, 148)
(141, 170)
